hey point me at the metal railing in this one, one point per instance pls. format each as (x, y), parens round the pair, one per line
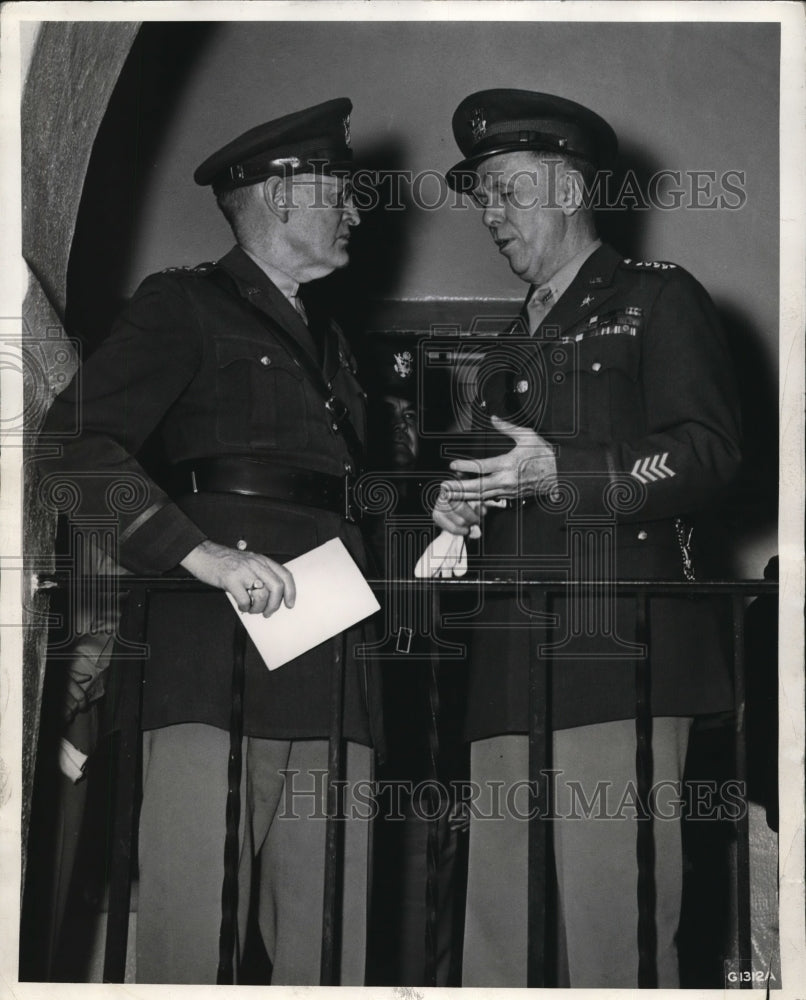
(139, 591)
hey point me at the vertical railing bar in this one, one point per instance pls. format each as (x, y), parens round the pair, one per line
(433, 839)
(645, 838)
(126, 794)
(228, 933)
(742, 826)
(538, 828)
(334, 827)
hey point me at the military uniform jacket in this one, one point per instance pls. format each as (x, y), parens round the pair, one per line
(629, 378)
(192, 364)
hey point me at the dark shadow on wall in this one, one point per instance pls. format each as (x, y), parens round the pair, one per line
(379, 246)
(623, 204)
(750, 509)
(139, 115)
(758, 395)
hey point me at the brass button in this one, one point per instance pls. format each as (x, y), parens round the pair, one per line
(596, 366)
(265, 360)
(521, 386)
(642, 535)
(240, 545)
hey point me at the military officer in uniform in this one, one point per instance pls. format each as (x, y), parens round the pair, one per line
(606, 426)
(255, 406)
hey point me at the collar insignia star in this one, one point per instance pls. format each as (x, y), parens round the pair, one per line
(586, 301)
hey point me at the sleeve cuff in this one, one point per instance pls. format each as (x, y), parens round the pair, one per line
(161, 542)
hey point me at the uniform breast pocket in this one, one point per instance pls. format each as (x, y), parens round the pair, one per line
(601, 394)
(262, 397)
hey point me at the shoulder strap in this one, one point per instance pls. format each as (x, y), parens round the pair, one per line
(339, 413)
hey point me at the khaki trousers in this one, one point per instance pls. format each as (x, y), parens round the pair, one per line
(181, 855)
(595, 856)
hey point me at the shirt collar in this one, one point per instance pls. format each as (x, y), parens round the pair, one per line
(561, 279)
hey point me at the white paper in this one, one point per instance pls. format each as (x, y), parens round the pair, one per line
(332, 595)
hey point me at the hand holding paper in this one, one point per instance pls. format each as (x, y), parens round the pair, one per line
(331, 595)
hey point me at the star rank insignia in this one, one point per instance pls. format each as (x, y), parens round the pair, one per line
(586, 301)
(478, 124)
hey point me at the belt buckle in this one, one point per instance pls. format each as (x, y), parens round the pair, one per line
(352, 510)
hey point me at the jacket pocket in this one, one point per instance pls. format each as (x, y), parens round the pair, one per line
(595, 393)
(262, 396)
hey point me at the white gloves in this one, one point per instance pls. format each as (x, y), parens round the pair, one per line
(446, 556)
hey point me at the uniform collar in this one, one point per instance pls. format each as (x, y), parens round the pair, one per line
(561, 279)
(287, 285)
(255, 285)
(589, 287)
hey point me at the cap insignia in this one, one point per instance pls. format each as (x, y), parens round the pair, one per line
(287, 161)
(346, 123)
(478, 124)
(404, 364)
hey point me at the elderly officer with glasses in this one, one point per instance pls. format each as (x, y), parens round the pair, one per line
(257, 413)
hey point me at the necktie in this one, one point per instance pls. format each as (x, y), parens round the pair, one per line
(296, 302)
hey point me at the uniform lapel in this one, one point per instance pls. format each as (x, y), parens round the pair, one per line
(589, 290)
(256, 287)
(331, 360)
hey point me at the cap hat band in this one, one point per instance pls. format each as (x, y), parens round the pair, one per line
(532, 132)
(312, 158)
(508, 142)
(530, 124)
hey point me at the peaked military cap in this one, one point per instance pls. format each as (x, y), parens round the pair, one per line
(490, 122)
(314, 140)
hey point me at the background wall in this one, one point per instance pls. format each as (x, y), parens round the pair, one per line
(680, 96)
(82, 61)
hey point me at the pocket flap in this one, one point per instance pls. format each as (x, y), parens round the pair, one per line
(260, 353)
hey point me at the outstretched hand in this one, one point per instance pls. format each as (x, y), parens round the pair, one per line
(528, 468)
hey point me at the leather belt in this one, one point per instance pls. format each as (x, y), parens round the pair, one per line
(274, 481)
